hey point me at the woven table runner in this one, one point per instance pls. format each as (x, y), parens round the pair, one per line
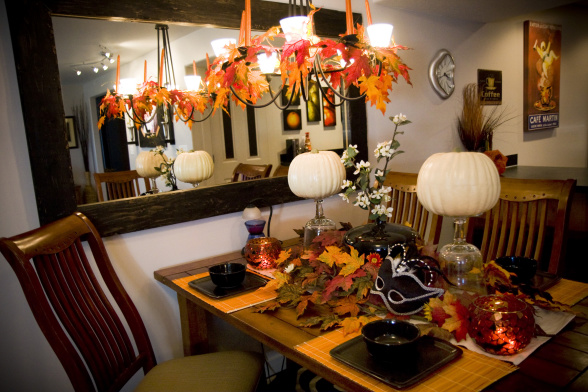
(229, 304)
(569, 292)
(470, 372)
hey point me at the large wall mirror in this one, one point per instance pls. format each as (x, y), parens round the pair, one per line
(31, 28)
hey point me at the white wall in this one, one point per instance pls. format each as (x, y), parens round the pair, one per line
(28, 364)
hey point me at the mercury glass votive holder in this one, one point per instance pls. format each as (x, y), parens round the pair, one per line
(501, 325)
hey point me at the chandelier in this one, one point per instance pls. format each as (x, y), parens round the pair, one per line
(365, 57)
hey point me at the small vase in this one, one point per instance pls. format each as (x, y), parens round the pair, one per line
(379, 236)
(89, 195)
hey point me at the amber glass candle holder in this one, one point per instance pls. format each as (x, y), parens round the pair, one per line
(261, 253)
(501, 325)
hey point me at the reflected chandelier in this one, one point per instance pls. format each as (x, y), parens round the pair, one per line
(364, 57)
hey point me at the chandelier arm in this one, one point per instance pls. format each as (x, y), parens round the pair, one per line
(320, 69)
(136, 119)
(280, 93)
(190, 117)
(257, 106)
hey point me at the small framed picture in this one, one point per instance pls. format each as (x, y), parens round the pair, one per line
(286, 98)
(70, 131)
(292, 120)
(329, 116)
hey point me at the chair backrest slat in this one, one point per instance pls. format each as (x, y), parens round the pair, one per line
(246, 172)
(120, 184)
(530, 217)
(406, 208)
(72, 308)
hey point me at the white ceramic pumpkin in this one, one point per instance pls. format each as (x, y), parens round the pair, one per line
(316, 174)
(458, 184)
(193, 167)
(146, 163)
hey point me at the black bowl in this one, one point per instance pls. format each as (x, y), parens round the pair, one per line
(390, 340)
(227, 275)
(524, 267)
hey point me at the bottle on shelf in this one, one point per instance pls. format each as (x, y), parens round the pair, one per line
(307, 145)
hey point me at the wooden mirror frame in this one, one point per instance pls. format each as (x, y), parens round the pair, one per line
(35, 57)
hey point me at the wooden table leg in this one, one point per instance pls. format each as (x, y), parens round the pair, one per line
(194, 327)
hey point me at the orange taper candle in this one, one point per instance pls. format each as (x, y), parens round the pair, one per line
(194, 66)
(207, 63)
(117, 73)
(349, 16)
(161, 67)
(145, 72)
(368, 12)
(242, 29)
(247, 22)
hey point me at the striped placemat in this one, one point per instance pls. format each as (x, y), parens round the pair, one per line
(569, 292)
(229, 304)
(470, 372)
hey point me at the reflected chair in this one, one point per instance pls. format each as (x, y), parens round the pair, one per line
(120, 184)
(530, 220)
(86, 331)
(246, 172)
(407, 210)
(281, 171)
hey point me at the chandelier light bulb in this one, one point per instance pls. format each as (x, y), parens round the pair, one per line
(267, 64)
(111, 60)
(295, 27)
(104, 67)
(193, 82)
(107, 54)
(95, 69)
(218, 45)
(380, 34)
(78, 72)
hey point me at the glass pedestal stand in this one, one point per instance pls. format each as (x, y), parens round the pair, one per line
(318, 225)
(154, 189)
(462, 262)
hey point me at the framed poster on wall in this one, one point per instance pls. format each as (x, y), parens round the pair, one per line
(542, 59)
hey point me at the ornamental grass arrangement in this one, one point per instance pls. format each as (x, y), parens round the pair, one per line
(475, 127)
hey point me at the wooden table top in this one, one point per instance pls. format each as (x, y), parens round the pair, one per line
(560, 363)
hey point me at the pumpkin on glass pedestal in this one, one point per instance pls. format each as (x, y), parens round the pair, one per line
(316, 175)
(193, 167)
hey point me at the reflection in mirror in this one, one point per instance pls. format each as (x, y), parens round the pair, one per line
(265, 136)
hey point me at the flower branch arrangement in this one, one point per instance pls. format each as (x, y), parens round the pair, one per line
(166, 169)
(374, 197)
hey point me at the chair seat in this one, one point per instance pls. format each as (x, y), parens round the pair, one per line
(224, 371)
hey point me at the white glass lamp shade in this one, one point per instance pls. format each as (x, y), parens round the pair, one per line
(193, 167)
(251, 213)
(218, 45)
(193, 82)
(295, 27)
(458, 184)
(267, 64)
(380, 34)
(127, 86)
(316, 174)
(146, 163)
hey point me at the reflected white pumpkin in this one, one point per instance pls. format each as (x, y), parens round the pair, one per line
(316, 174)
(146, 163)
(193, 167)
(458, 184)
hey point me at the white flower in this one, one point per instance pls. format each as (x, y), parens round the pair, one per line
(379, 173)
(399, 118)
(383, 150)
(361, 165)
(344, 197)
(382, 210)
(362, 200)
(347, 184)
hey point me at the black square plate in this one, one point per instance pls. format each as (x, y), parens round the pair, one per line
(432, 354)
(205, 286)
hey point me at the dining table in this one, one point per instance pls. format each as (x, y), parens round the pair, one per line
(561, 363)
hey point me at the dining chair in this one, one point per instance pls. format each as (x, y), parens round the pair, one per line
(85, 329)
(246, 172)
(119, 184)
(281, 171)
(529, 220)
(406, 208)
